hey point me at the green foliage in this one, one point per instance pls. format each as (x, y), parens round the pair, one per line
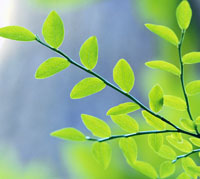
(167, 169)
(187, 164)
(174, 102)
(155, 141)
(183, 176)
(188, 125)
(195, 141)
(191, 58)
(193, 87)
(167, 152)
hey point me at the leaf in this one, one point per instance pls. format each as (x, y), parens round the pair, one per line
(17, 33)
(97, 126)
(195, 141)
(186, 163)
(193, 87)
(164, 32)
(167, 152)
(167, 169)
(187, 124)
(191, 58)
(155, 141)
(154, 121)
(177, 136)
(145, 168)
(123, 75)
(183, 146)
(86, 87)
(69, 134)
(197, 123)
(129, 149)
(184, 15)
(174, 102)
(126, 122)
(89, 53)
(165, 66)
(195, 170)
(53, 30)
(123, 108)
(51, 67)
(102, 153)
(183, 176)
(156, 98)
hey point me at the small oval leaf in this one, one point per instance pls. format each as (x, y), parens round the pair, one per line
(186, 164)
(166, 169)
(155, 141)
(51, 67)
(195, 141)
(17, 33)
(191, 58)
(167, 152)
(69, 134)
(183, 176)
(165, 66)
(86, 87)
(89, 53)
(97, 126)
(188, 125)
(53, 30)
(193, 87)
(174, 102)
(123, 75)
(164, 32)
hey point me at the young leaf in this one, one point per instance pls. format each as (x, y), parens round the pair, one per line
(17, 33)
(69, 134)
(177, 136)
(129, 149)
(89, 53)
(154, 121)
(195, 141)
(191, 58)
(123, 75)
(166, 169)
(126, 122)
(183, 176)
(156, 98)
(174, 102)
(165, 66)
(86, 87)
(186, 163)
(164, 32)
(145, 168)
(193, 87)
(53, 30)
(155, 141)
(195, 170)
(167, 152)
(197, 122)
(184, 15)
(51, 67)
(97, 126)
(187, 124)
(123, 108)
(102, 153)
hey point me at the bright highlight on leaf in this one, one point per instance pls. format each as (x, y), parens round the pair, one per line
(187, 124)
(166, 169)
(193, 87)
(187, 163)
(184, 14)
(126, 122)
(195, 141)
(183, 176)
(123, 75)
(89, 53)
(191, 58)
(86, 87)
(164, 32)
(102, 153)
(17, 33)
(51, 67)
(167, 152)
(165, 66)
(123, 108)
(53, 30)
(174, 102)
(156, 98)
(155, 141)
(97, 126)
(69, 134)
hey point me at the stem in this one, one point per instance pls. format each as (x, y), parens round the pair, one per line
(185, 155)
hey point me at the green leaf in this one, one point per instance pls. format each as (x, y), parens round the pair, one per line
(145, 168)
(126, 122)
(53, 30)
(184, 15)
(191, 58)
(177, 136)
(155, 141)
(195, 170)
(187, 124)
(51, 67)
(17, 33)
(129, 149)
(156, 98)
(186, 164)
(197, 123)
(183, 146)
(154, 121)
(123, 108)
(89, 53)
(195, 141)
(193, 87)
(167, 152)
(164, 32)
(97, 126)
(102, 153)
(165, 66)
(123, 75)
(69, 134)
(166, 169)
(174, 102)
(86, 87)
(183, 176)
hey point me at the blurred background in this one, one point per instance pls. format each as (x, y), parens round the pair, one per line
(31, 109)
